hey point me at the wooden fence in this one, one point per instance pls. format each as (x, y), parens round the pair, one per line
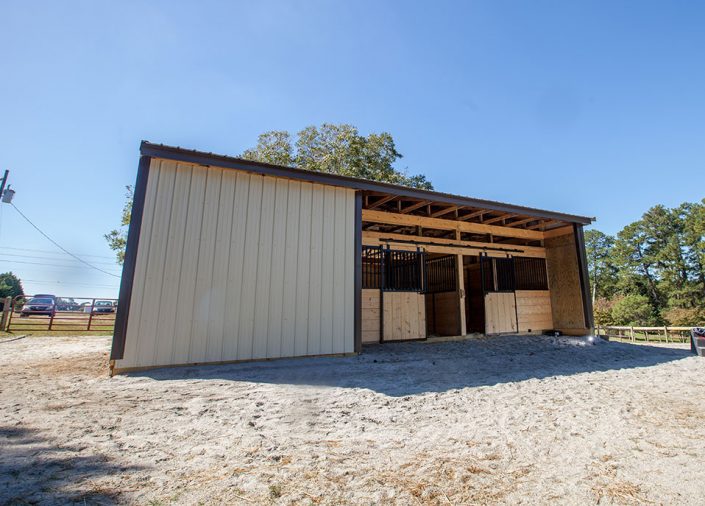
(648, 334)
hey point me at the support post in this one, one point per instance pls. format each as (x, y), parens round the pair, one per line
(6, 308)
(584, 277)
(357, 281)
(128, 271)
(460, 290)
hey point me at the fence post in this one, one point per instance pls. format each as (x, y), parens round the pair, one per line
(665, 333)
(631, 332)
(6, 308)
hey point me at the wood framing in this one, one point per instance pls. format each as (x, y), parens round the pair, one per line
(441, 224)
(451, 246)
(460, 293)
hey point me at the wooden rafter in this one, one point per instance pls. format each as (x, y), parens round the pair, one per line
(381, 201)
(520, 222)
(542, 224)
(413, 207)
(472, 215)
(440, 243)
(445, 211)
(498, 218)
(441, 224)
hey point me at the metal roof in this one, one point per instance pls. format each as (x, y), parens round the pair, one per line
(203, 158)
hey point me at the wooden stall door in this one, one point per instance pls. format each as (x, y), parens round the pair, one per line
(500, 313)
(404, 316)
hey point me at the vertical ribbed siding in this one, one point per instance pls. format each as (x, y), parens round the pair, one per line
(238, 266)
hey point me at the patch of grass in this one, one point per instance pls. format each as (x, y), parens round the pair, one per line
(621, 492)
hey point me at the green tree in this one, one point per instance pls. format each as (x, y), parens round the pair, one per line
(272, 147)
(10, 286)
(693, 216)
(336, 149)
(117, 238)
(633, 309)
(598, 247)
(664, 245)
(636, 267)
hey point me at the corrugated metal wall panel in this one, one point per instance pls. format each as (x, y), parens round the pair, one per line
(238, 266)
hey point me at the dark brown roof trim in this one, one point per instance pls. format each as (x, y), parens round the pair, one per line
(202, 158)
(128, 269)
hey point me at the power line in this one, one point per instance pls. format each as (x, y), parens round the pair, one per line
(68, 283)
(54, 265)
(55, 252)
(51, 259)
(61, 247)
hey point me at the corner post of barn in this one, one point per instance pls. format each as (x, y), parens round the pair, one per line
(130, 261)
(358, 273)
(584, 276)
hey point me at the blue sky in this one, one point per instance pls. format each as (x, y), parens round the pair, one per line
(594, 108)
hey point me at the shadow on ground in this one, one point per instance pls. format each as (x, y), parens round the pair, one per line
(399, 369)
(33, 471)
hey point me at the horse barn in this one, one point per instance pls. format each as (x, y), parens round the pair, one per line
(233, 260)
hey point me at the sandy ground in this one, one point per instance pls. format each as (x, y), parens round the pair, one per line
(514, 420)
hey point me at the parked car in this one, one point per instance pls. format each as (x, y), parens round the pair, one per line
(39, 305)
(103, 306)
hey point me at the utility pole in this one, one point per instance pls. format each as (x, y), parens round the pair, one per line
(4, 180)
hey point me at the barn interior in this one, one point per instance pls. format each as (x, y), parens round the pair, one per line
(452, 268)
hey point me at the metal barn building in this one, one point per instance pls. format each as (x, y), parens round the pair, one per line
(231, 260)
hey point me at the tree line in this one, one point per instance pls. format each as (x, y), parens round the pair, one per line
(652, 272)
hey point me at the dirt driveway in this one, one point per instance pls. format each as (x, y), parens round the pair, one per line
(503, 420)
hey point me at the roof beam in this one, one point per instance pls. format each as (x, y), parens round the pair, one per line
(555, 232)
(413, 207)
(382, 201)
(498, 218)
(473, 215)
(369, 215)
(521, 222)
(445, 211)
(542, 224)
(436, 243)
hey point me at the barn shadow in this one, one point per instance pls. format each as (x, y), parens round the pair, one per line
(34, 471)
(401, 369)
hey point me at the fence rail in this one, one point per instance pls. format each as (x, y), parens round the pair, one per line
(49, 313)
(648, 334)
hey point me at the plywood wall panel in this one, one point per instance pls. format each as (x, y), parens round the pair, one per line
(534, 310)
(564, 283)
(500, 313)
(236, 266)
(404, 315)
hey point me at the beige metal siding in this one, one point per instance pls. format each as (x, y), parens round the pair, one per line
(239, 266)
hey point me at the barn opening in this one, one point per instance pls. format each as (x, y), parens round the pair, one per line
(232, 260)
